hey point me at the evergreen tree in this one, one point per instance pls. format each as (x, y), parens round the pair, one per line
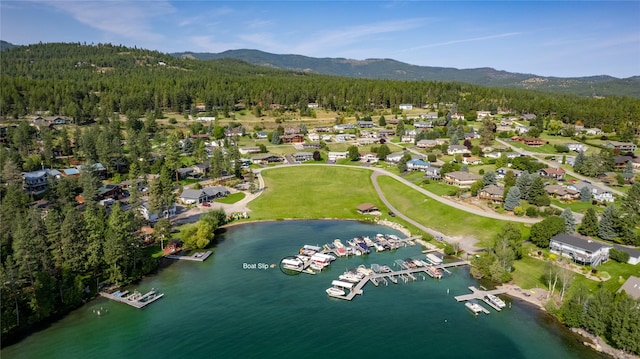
(628, 171)
(524, 183)
(509, 179)
(537, 194)
(513, 198)
(354, 154)
(585, 194)
(596, 317)
(572, 309)
(400, 128)
(542, 232)
(589, 224)
(579, 162)
(383, 151)
(608, 223)
(631, 202)
(382, 121)
(624, 327)
(569, 221)
(489, 178)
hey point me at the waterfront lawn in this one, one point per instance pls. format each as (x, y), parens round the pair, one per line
(439, 216)
(528, 272)
(231, 199)
(305, 192)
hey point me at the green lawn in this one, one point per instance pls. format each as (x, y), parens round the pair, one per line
(438, 216)
(314, 192)
(577, 206)
(232, 198)
(528, 272)
(548, 149)
(437, 187)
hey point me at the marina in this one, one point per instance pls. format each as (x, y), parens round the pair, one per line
(135, 299)
(487, 296)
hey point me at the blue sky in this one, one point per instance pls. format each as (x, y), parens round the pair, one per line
(549, 38)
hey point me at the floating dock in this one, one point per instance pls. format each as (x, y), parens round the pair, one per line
(135, 299)
(481, 295)
(196, 257)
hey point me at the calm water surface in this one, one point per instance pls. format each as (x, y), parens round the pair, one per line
(219, 309)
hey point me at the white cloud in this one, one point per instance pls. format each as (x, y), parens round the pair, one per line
(474, 39)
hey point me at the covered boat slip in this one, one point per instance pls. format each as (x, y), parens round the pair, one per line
(342, 284)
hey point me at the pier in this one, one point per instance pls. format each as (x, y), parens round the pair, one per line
(196, 257)
(406, 274)
(136, 299)
(478, 294)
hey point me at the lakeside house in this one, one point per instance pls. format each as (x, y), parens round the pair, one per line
(153, 217)
(581, 250)
(576, 146)
(433, 173)
(334, 156)
(206, 194)
(367, 208)
(599, 194)
(502, 171)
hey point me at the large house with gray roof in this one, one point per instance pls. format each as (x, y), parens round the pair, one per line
(581, 250)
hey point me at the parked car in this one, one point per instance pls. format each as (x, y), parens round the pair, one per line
(207, 204)
(392, 214)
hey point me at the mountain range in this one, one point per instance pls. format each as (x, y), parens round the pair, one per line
(592, 86)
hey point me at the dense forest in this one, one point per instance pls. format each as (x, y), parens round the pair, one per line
(88, 82)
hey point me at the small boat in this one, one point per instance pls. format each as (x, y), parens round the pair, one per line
(335, 291)
(474, 307)
(434, 272)
(292, 263)
(495, 301)
(339, 247)
(368, 241)
(364, 271)
(385, 269)
(316, 266)
(351, 277)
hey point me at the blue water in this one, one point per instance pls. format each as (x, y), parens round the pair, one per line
(218, 309)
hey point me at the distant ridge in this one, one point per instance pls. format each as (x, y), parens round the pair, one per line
(591, 86)
(6, 45)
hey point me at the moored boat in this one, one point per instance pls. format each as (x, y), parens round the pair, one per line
(474, 307)
(495, 301)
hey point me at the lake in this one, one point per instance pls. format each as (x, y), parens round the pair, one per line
(220, 308)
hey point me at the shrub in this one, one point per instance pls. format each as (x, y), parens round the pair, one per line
(173, 121)
(518, 211)
(618, 255)
(532, 212)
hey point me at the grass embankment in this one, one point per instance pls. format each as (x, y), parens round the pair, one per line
(231, 199)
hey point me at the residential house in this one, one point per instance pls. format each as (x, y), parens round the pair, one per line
(471, 135)
(492, 193)
(334, 156)
(249, 150)
(409, 136)
(302, 156)
(457, 116)
(576, 146)
(442, 141)
(36, 182)
(369, 157)
(494, 155)
(292, 138)
(581, 250)
(433, 173)
(152, 217)
(365, 124)
(461, 179)
(185, 172)
(506, 122)
(313, 105)
(311, 145)
(291, 131)
(552, 173)
(344, 127)
(471, 160)
(632, 287)
(236, 131)
(322, 129)
(533, 141)
(599, 194)
(205, 119)
(594, 131)
(623, 147)
(528, 116)
(405, 106)
(362, 141)
(502, 171)
(521, 129)
(315, 137)
(261, 135)
(395, 157)
(481, 115)
(427, 143)
(620, 162)
(417, 165)
(430, 115)
(70, 172)
(634, 254)
(386, 133)
(266, 159)
(457, 150)
(206, 194)
(423, 124)
(562, 193)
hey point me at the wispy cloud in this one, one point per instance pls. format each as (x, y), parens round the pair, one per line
(211, 44)
(473, 39)
(129, 19)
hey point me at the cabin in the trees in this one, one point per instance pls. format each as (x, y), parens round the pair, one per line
(206, 194)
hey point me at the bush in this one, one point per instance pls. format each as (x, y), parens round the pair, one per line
(173, 121)
(618, 255)
(426, 181)
(532, 212)
(518, 211)
(449, 250)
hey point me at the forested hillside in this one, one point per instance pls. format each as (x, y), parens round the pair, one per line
(87, 82)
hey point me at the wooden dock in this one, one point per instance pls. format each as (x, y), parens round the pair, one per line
(135, 299)
(481, 295)
(406, 274)
(196, 257)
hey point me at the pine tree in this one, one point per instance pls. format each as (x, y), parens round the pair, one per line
(513, 198)
(524, 183)
(579, 161)
(537, 194)
(489, 178)
(569, 221)
(589, 224)
(608, 223)
(585, 194)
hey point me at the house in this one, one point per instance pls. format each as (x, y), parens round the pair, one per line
(457, 116)
(533, 141)
(248, 150)
(433, 173)
(457, 149)
(461, 179)
(334, 156)
(261, 135)
(315, 137)
(291, 131)
(594, 131)
(599, 194)
(113, 191)
(367, 208)
(386, 133)
(292, 138)
(620, 162)
(522, 129)
(621, 146)
(311, 145)
(552, 173)
(423, 124)
(36, 182)
(369, 157)
(322, 129)
(405, 106)
(430, 115)
(471, 161)
(481, 115)
(365, 124)
(634, 254)
(494, 155)
(632, 287)
(152, 217)
(417, 165)
(344, 127)
(492, 193)
(506, 122)
(206, 194)
(502, 171)
(302, 156)
(312, 105)
(201, 168)
(70, 172)
(233, 132)
(362, 141)
(266, 159)
(471, 135)
(396, 156)
(427, 143)
(528, 116)
(576, 146)
(581, 250)
(206, 119)
(562, 193)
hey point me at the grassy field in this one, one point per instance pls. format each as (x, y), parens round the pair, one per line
(438, 216)
(314, 192)
(528, 272)
(232, 198)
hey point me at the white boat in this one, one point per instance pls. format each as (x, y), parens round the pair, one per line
(316, 266)
(351, 277)
(364, 271)
(292, 263)
(368, 241)
(496, 301)
(474, 307)
(335, 291)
